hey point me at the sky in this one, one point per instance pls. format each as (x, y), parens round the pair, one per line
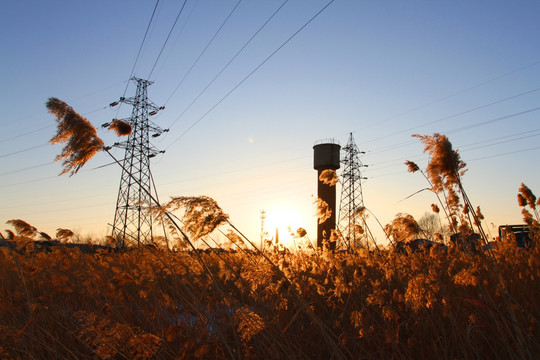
(244, 114)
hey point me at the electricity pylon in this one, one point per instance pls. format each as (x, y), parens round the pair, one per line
(132, 220)
(351, 221)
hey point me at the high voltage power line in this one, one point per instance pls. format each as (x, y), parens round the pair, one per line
(224, 68)
(203, 51)
(138, 54)
(266, 174)
(369, 153)
(529, 134)
(141, 47)
(505, 153)
(457, 114)
(462, 148)
(26, 133)
(296, 183)
(251, 73)
(267, 59)
(483, 83)
(24, 150)
(467, 127)
(459, 92)
(167, 39)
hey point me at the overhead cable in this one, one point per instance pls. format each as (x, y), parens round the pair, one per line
(505, 153)
(167, 39)
(456, 115)
(24, 150)
(225, 67)
(456, 93)
(140, 48)
(202, 53)
(26, 168)
(251, 73)
(481, 123)
(26, 133)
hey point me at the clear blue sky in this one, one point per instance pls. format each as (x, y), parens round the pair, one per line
(380, 69)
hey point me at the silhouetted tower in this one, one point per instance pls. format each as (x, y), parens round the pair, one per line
(351, 222)
(132, 219)
(326, 157)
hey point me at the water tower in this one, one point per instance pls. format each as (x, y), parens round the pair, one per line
(326, 157)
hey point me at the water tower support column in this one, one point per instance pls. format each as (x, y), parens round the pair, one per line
(326, 157)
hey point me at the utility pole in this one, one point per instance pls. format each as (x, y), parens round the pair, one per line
(352, 227)
(132, 219)
(263, 234)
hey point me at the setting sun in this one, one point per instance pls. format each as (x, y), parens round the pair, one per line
(286, 219)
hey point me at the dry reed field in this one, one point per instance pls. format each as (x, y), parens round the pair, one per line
(472, 299)
(149, 303)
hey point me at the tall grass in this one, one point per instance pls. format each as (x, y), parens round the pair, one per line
(63, 303)
(148, 302)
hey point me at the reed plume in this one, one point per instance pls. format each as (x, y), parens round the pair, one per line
(120, 127)
(161, 216)
(80, 136)
(528, 195)
(323, 211)
(329, 177)
(402, 228)
(44, 235)
(301, 232)
(64, 234)
(444, 172)
(22, 227)
(479, 213)
(234, 239)
(521, 200)
(202, 214)
(360, 211)
(411, 166)
(444, 168)
(449, 214)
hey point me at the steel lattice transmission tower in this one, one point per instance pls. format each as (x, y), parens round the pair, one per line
(351, 221)
(132, 219)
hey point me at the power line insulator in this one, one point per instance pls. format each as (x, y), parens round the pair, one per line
(113, 104)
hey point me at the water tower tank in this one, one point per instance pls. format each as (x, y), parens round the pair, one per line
(326, 157)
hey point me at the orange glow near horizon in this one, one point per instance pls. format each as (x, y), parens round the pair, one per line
(286, 219)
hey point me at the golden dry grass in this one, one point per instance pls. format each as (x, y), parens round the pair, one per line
(79, 135)
(323, 211)
(329, 177)
(148, 303)
(120, 127)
